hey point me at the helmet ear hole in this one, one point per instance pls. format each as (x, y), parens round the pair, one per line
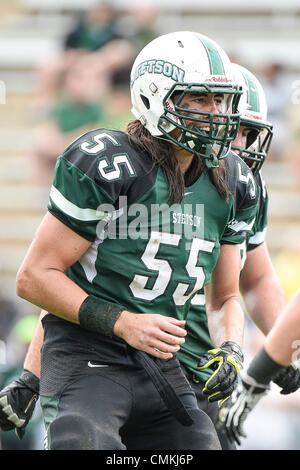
(145, 101)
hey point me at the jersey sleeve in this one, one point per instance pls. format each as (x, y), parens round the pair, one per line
(245, 194)
(88, 182)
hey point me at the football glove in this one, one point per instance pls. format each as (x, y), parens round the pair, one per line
(288, 379)
(226, 363)
(243, 400)
(17, 403)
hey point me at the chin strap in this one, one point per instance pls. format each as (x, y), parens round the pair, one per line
(204, 151)
(212, 161)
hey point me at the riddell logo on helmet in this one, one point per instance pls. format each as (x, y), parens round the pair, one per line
(219, 78)
(168, 106)
(253, 116)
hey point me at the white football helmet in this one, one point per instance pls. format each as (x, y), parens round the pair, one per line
(253, 110)
(186, 62)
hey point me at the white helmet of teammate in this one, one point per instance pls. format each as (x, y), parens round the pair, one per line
(186, 62)
(253, 110)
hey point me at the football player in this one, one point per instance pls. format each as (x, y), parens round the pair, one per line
(119, 286)
(214, 376)
(279, 352)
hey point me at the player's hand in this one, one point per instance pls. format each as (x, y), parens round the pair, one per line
(17, 403)
(288, 379)
(233, 414)
(155, 334)
(226, 363)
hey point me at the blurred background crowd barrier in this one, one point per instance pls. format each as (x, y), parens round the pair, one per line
(64, 69)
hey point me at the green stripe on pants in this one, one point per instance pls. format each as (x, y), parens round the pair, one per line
(50, 409)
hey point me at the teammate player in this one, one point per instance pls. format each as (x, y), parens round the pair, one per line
(119, 286)
(259, 283)
(281, 348)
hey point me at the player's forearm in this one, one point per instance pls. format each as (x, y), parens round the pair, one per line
(261, 288)
(224, 313)
(264, 300)
(32, 360)
(283, 342)
(226, 323)
(51, 290)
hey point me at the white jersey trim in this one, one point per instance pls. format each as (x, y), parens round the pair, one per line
(241, 226)
(258, 238)
(68, 208)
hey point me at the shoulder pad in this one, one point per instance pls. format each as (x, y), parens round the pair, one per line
(262, 185)
(241, 181)
(107, 157)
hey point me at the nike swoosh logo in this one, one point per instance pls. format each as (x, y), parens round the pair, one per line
(186, 194)
(96, 365)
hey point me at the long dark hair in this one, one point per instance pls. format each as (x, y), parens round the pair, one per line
(162, 153)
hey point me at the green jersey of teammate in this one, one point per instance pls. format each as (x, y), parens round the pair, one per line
(198, 339)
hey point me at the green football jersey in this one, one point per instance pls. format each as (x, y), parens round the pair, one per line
(146, 255)
(198, 339)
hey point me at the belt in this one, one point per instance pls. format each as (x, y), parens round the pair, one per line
(164, 387)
